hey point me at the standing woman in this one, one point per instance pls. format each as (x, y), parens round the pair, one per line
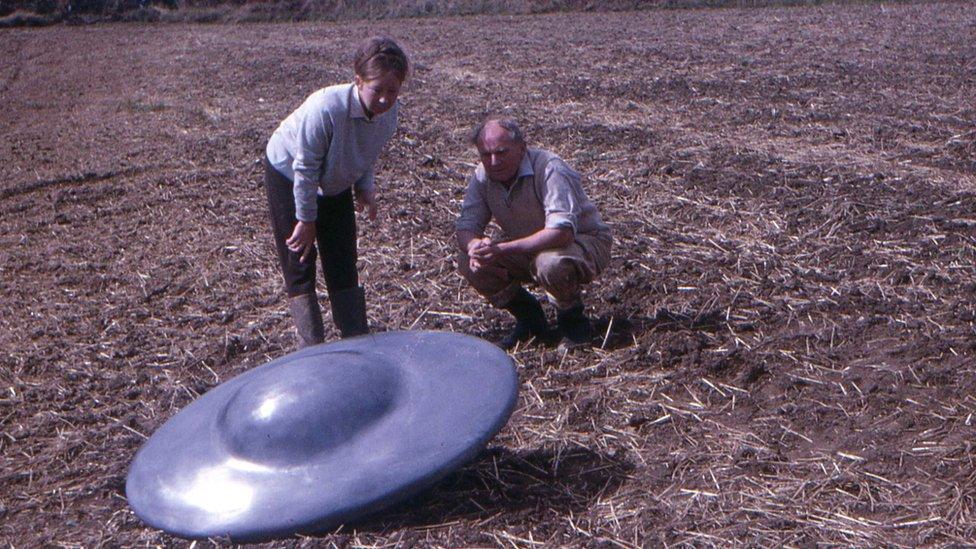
(318, 161)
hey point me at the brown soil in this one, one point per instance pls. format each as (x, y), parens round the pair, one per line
(788, 344)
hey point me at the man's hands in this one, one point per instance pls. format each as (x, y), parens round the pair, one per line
(483, 249)
(366, 200)
(302, 239)
(482, 253)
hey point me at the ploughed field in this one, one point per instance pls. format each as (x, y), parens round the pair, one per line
(787, 344)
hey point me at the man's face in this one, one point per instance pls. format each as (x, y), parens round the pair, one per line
(500, 154)
(379, 94)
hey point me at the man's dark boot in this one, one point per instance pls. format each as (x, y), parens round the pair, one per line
(530, 320)
(575, 328)
(307, 315)
(349, 311)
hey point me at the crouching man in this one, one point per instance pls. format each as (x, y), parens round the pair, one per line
(552, 235)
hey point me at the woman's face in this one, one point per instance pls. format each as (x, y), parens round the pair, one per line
(379, 94)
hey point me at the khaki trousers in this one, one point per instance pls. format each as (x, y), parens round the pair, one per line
(561, 272)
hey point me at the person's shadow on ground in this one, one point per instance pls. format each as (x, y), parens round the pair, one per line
(619, 331)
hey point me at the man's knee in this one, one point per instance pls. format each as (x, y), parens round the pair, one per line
(559, 274)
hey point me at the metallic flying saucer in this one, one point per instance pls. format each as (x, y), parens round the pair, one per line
(323, 436)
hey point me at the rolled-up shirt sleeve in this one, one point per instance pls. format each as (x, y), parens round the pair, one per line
(475, 214)
(314, 136)
(561, 196)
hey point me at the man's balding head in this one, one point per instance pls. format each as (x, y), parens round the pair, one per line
(507, 124)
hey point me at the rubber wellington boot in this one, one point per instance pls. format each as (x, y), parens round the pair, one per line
(530, 320)
(575, 328)
(349, 311)
(307, 315)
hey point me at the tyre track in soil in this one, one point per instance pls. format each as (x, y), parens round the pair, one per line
(16, 68)
(71, 180)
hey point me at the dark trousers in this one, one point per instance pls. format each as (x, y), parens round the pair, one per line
(335, 228)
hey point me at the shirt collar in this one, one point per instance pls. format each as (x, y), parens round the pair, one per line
(525, 167)
(356, 105)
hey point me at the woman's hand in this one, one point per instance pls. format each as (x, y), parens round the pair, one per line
(302, 239)
(367, 200)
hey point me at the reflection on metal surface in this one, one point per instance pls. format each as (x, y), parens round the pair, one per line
(267, 408)
(218, 491)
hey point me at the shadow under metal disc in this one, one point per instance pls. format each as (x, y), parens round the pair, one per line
(322, 436)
